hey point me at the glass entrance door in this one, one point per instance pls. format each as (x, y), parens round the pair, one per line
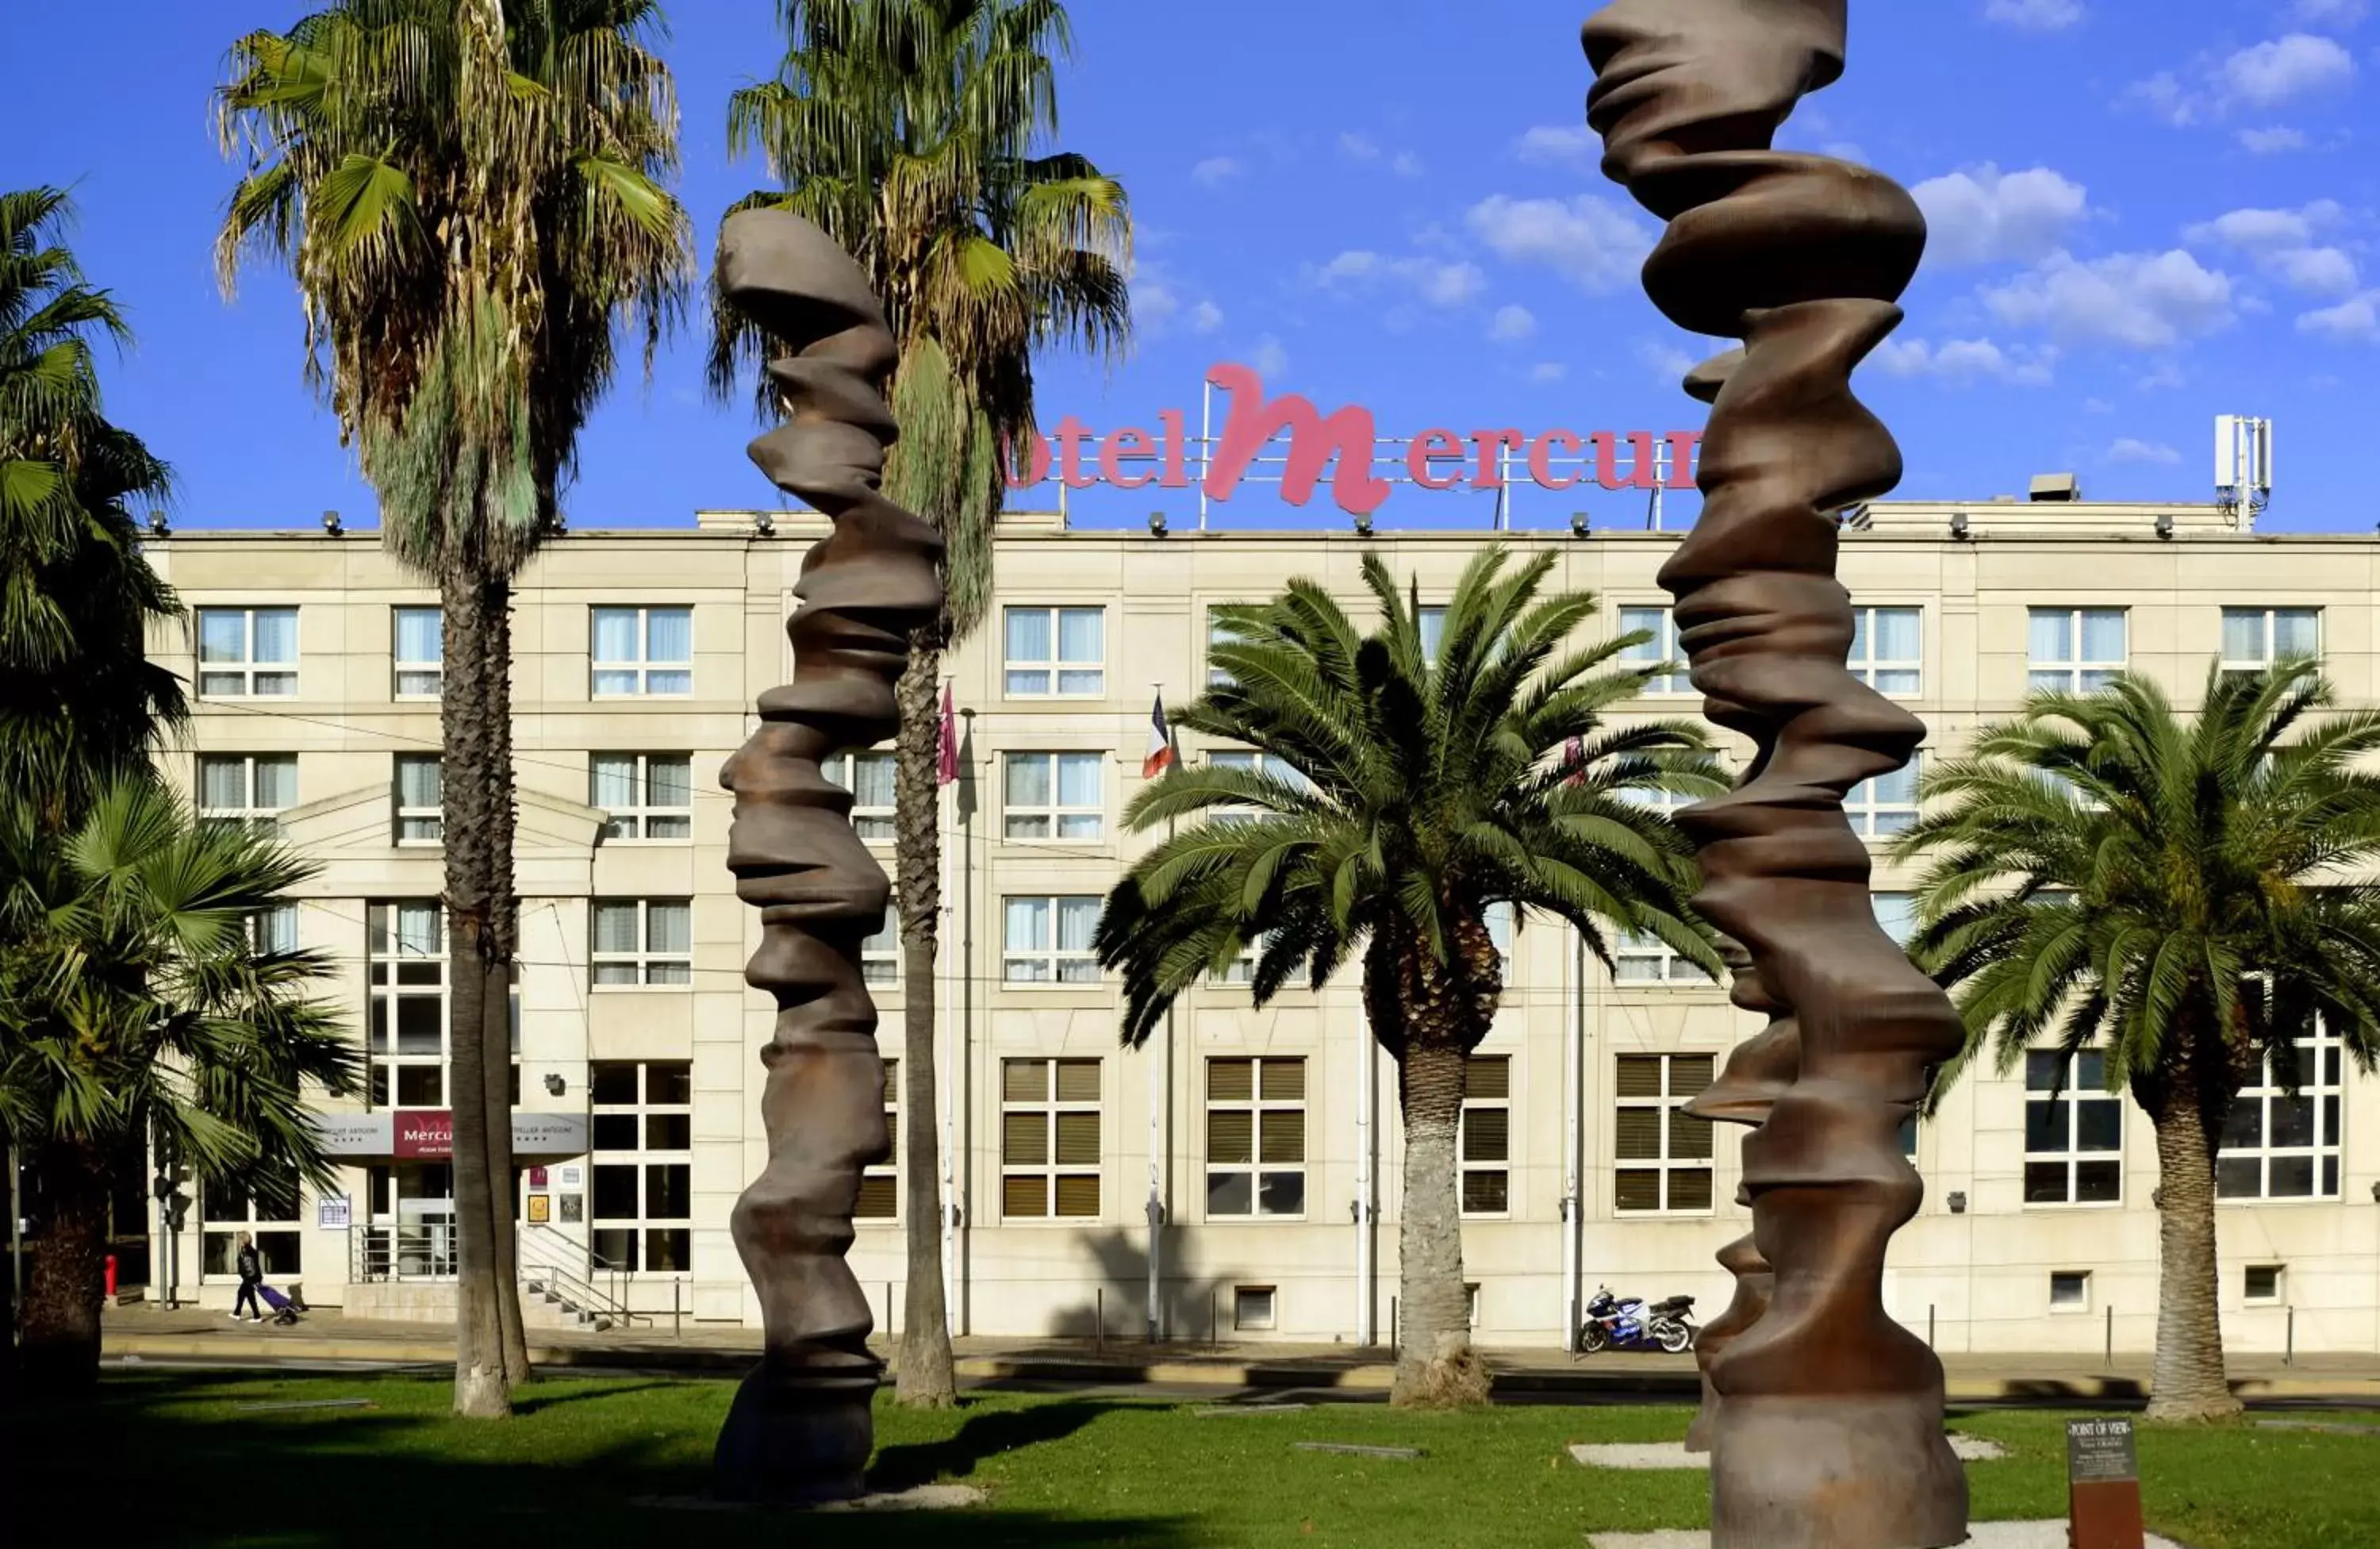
(413, 1220)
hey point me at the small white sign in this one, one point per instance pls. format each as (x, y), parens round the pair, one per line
(334, 1211)
(571, 1176)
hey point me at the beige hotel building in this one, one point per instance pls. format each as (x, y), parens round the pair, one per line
(1268, 1135)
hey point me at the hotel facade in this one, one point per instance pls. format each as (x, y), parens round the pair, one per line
(1245, 1164)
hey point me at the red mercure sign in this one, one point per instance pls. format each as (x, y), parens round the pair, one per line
(424, 1132)
(1345, 445)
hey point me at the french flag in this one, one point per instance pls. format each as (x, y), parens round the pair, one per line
(1160, 743)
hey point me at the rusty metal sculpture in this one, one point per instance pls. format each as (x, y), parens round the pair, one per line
(1827, 1431)
(801, 1429)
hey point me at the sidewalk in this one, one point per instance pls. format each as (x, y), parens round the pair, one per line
(191, 1333)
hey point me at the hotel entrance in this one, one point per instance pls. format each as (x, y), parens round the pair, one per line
(411, 1232)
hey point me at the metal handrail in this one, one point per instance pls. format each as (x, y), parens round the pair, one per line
(534, 1236)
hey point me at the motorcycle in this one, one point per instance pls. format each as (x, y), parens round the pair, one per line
(1616, 1323)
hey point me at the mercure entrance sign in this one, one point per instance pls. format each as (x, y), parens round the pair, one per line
(1347, 446)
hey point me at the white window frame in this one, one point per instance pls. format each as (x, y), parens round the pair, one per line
(650, 967)
(428, 828)
(2325, 1156)
(880, 955)
(1254, 763)
(1873, 818)
(1671, 969)
(1466, 1141)
(1662, 624)
(645, 1160)
(2268, 622)
(880, 1184)
(2085, 1282)
(656, 678)
(633, 823)
(2074, 673)
(417, 668)
(1895, 677)
(1429, 623)
(398, 970)
(1017, 672)
(253, 812)
(1680, 1132)
(1219, 633)
(1060, 970)
(2072, 1095)
(273, 929)
(873, 821)
(1052, 1109)
(2278, 1295)
(1057, 814)
(280, 1240)
(246, 676)
(1258, 1168)
(1255, 1308)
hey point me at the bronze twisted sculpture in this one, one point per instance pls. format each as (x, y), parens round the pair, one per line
(1827, 1424)
(801, 1430)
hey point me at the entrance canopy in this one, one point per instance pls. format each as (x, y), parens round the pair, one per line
(418, 1134)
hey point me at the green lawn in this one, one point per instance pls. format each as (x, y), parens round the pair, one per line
(167, 1457)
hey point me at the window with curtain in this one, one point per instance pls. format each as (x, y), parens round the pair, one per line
(420, 799)
(1887, 804)
(1887, 649)
(1048, 940)
(1054, 796)
(643, 941)
(643, 796)
(642, 650)
(248, 652)
(2254, 639)
(250, 789)
(1661, 647)
(873, 780)
(2075, 650)
(1054, 652)
(419, 639)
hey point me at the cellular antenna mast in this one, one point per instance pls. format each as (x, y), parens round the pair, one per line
(2244, 467)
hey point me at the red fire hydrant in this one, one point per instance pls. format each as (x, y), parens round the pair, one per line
(111, 1277)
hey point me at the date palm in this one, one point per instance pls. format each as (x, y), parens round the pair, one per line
(472, 196)
(1429, 786)
(911, 131)
(2187, 895)
(138, 1000)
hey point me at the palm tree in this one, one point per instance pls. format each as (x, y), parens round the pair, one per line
(139, 998)
(908, 130)
(2185, 896)
(1426, 788)
(78, 698)
(472, 195)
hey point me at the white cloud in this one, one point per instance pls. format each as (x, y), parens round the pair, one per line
(1670, 362)
(1436, 281)
(2353, 320)
(1214, 171)
(2317, 271)
(1356, 148)
(1965, 361)
(2097, 406)
(2127, 448)
(1983, 215)
(1548, 371)
(1560, 145)
(1355, 264)
(2141, 300)
(1206, 317)
(2285, 245)
(1158, 305)
(2277, 141)
(1511, 323)
(1268, 358)
(1589, 239)
(2341, 13)
(2164, 95)
(2273, 72)
(1405, 164)
(2034, 15)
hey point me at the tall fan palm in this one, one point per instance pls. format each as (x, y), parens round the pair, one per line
(908, 130)
(1407, 792)
(78, 698)
(2189, 896)
(471, 194)
(138, 997)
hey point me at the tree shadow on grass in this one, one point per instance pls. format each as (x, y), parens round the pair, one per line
(985, 1435)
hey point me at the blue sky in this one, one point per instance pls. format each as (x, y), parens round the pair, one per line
(2145, 215)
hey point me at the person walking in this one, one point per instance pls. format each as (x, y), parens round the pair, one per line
(252, 1274)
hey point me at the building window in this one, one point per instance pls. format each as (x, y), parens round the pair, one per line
(1049, 1139)
(641, 1207)
(419, 637)
(1663, 1152)
(1256, 1137)
(1649, 961)
(880, 955)
(420, 799)
(1254, 1308)
(1254, 763)
(2076, 650)
(1886, 804)
(873, 780)
(2070, 1291)
(2262, 1285)
(1055, 796)
(1048, 940)
(405, 952)
(2283, 1145)
(1502, 919)
(643, 651)
(1431, 622)
(1056, 651)
(1887, 649)
(1241, 969)
(2254, 639)
(644, 941)
(1219, 633)
(273, 930)
(1485, 1143)
(250, 789)
(880, 1185)
(2073, 1130)
(1660, 649)
(643, 796)
(1897, 914)
(248, 652)
(229, 1207)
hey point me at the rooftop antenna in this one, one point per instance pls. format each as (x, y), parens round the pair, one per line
(2244, 467)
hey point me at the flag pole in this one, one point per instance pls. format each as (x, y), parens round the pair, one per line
(945, 815)
(1159, 1076)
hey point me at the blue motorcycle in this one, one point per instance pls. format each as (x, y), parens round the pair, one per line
(1628, 1323)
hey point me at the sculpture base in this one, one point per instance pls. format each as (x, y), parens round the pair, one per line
(792, 1445)
(1856, 1472)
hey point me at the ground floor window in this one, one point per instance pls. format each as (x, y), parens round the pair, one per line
(2282, 1139)
(1256, 1137)
(641, 1207)
(1485, 1143)
(1662, 1153)
(1048, 1139)
(880, 1187)
(267, 1213)
(2073, 1130)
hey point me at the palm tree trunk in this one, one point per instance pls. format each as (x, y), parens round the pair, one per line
(2189, 1381)
(482, 1386)
(67, 1276)
(502, 952)
(925, 1378)
(1436, 1366)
